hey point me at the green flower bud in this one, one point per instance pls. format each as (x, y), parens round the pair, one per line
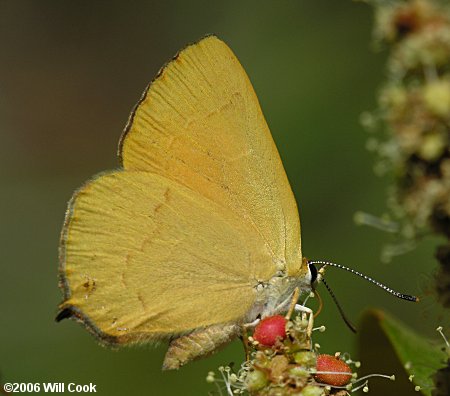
(256, 380)
(299, 371)
(305, 358)
(311, 390)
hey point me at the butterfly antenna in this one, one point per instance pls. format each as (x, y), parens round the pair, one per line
(341, 311)
(406, 297)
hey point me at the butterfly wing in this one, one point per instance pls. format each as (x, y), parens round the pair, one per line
(200, 124)
(201, 212)
(144, 257)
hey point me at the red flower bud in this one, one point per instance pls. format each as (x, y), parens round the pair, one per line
(336, 365)
(269, 329)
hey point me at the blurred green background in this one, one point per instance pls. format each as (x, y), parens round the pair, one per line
(70, 73)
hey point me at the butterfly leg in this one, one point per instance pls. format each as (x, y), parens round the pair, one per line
(306, 311)
(244, 339)
(251, 324)
(294, 300)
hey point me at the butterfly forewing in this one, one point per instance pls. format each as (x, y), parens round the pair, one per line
(201, 125)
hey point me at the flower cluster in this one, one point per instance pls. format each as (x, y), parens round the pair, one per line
(283, 361)
(414, 109)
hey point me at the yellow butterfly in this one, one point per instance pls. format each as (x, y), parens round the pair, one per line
(197, 233)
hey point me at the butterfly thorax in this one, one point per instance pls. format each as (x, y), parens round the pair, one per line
(275, 295)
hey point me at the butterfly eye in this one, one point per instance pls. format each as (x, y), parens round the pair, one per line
(313, 272)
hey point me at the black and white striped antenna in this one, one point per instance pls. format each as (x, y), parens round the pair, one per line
(318, 274)
(406, 297)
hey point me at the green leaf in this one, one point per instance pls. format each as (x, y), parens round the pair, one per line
(421, 358)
